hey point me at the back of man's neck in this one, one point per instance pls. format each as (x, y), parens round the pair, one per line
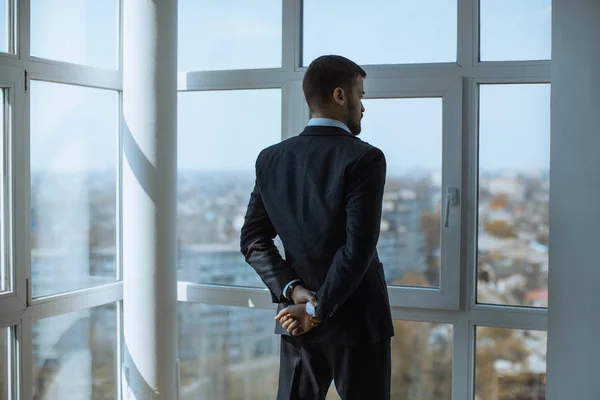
(323, 116)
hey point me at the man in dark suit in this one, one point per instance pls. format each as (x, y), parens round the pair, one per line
(321, 192)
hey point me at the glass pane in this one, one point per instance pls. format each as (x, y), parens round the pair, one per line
(381, 31)
(5, 362)
(227, 353)
(5, 26)
(75, 355)
(504, 23)
(81, 32)
(409, 132)
(74, 135)
(510, 364)
(421, 362)
(514, 163)
(216, 157)
(229, 34)
(4, 203)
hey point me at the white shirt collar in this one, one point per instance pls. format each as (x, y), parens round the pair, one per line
(328, 122)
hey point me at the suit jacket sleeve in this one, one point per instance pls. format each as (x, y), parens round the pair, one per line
(365, 181)
(260, 251)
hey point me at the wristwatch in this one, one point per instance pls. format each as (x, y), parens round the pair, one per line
(310, 309)
(290, 290)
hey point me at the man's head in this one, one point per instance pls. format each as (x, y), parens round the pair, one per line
(333, 88)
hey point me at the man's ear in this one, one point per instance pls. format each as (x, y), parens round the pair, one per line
(339, 96)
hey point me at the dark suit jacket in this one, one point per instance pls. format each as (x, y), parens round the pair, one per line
(322, 192)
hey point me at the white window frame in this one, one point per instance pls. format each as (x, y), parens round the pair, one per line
(472, 216)
(17, 308)
(446, 295)
(12, 302)
(457, 83)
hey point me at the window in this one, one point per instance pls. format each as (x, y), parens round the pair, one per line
(474, 124)
(504, 23)
(409, 132)
(416, 123)
(74, 136)
(229, 34)
(216, 158)
(4, 201)
(5, 26)
(510, 364)
(81, 32)
(382, 32)
(514, 162)
(422, 360)
(74, 355)
(227, 352)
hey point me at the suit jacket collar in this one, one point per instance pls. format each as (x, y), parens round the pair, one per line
(317, 130)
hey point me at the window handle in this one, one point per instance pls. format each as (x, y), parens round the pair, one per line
(451, 200)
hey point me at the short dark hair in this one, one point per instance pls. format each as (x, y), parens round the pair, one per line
(325, 74)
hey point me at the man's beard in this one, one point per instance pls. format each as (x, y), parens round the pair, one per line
(355, 128)
(354, 124)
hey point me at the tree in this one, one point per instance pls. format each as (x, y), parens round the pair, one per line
(500, 229)
(432, 230)
(495, 344)
(421, 368)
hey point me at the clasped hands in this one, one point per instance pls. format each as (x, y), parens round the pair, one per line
(294, 318)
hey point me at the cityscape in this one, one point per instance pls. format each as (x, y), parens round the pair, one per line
(231, 352)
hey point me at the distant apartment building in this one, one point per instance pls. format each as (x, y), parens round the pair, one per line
(512, 187)
(401, 240)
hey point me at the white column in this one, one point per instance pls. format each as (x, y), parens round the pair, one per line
(149, 199)
(574, 276)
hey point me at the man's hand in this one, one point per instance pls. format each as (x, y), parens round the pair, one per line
(295, 320)
(302, 295)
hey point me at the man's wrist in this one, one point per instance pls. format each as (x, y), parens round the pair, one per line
(289, 288)
(293, 286)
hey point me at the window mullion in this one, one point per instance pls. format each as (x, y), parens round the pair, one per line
(294, 110)
(25, 351)
(469, 203)
(291, 40)
(20, 186)
(23, 31)
(451, 215)
(462, 360)
(467, 32)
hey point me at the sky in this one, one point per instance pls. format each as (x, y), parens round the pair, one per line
(3, 26)
(74, 128)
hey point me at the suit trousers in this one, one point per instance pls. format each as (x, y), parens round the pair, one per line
(360, 372)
